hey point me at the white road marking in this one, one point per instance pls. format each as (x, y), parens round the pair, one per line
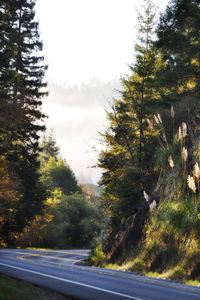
(13, 252)
(73, 282)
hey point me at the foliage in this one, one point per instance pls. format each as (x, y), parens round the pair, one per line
(71, 216)
(57, 174)
(97, 256)
(21, 90)
(178, 42)
(178, 38)
(66, 222)
(48, 149)
(149, 151)
(126, 161)
(171, 243)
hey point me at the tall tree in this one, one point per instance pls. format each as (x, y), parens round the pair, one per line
(126, 161)
(48, 149)
(178, 38)
(21, 90)
(178, 41)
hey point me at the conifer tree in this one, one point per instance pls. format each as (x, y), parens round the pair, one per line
(48, 149)
(139, 93)
(21, 90)
(129, 144)
(178, 41)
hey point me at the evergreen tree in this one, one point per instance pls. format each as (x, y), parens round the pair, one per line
(139, 94)
(48, 148)
(21, 90)
(178, 41)
(126, 161)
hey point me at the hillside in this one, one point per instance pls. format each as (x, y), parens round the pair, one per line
(151, 162)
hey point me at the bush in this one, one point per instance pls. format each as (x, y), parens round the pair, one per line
(97, 256)
(179, 273)
(138, 265)
(69, 222)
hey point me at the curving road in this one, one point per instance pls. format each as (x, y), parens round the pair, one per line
(59, 271)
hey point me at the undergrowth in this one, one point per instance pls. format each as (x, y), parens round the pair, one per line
(171, 245)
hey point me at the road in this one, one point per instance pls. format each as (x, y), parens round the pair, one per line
(58, 270)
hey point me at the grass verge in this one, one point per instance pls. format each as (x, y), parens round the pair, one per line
(171, 274)
(13, 289)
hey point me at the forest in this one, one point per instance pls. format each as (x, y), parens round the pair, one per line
(147, 216)
(41, 203)
(151, 159)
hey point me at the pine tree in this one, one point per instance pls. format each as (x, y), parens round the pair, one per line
(21, 90)
(178, 41)
(48, 148)
(126, 161)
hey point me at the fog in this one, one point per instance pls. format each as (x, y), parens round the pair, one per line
(77, 115)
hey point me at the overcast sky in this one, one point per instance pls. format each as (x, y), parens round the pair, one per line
(84, 40)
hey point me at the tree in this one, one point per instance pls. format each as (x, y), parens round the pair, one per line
(67, 221)
(48, 149)
(126, 161)
(57, 174)
(178, 41)
(21, 90)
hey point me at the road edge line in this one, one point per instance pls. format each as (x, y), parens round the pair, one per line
(71, 281)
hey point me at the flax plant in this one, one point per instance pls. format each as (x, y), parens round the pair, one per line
(146, 196)
(191, 183)
(159, 122)
(184, 127)
(182, 133)
(150, 124)
(184, 157)
(180, 138)
(171, 163)
(196, 174)
(172, 115)
(192, 186)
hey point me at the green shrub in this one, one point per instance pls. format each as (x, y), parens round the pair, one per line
(138, 265)
(97, 256)
(179, 273)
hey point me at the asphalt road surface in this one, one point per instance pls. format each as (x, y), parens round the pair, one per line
(60, 271)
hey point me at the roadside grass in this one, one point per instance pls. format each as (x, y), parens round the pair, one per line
(135, 266)
(112, 267)
(192, 282)
(13, 289)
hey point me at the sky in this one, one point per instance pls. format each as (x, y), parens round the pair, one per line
(88, 45)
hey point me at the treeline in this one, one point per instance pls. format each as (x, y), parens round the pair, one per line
(152, 143)
(21, 89)
(41, 204)
(71, 213)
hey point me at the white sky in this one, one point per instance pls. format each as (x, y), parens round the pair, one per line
(84, 39)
